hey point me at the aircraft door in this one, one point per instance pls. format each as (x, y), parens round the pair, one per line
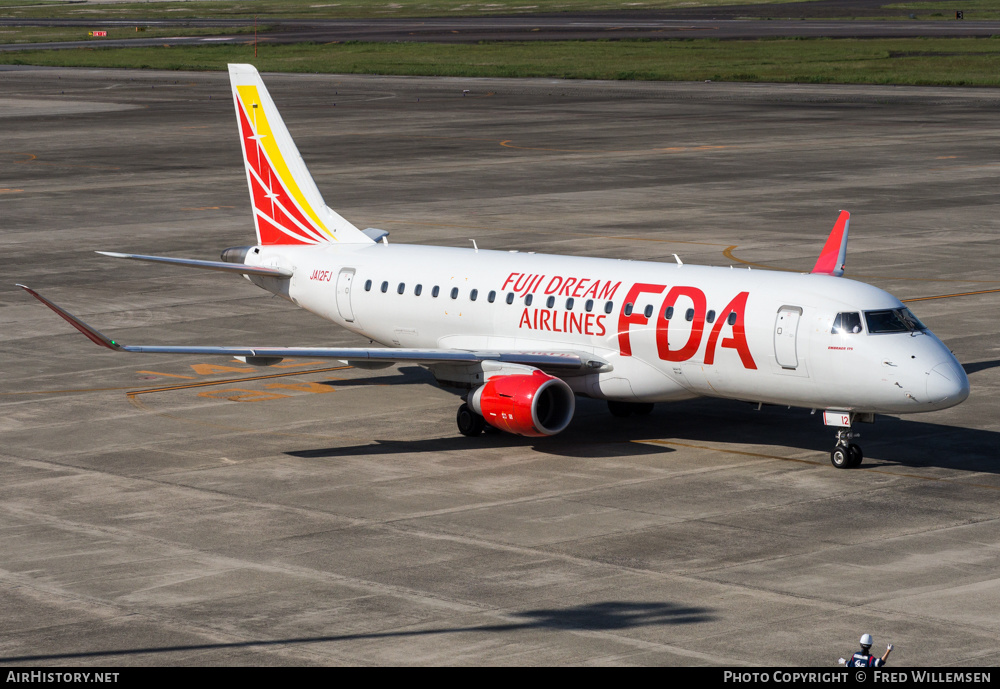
(344, 281)
(786, 327)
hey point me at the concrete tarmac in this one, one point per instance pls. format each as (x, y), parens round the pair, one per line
(162, 510)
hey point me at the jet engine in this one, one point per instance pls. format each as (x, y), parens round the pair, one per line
(534, 405)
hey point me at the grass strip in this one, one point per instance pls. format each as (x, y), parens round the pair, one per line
(340, 9)
(918, 61)
(975, 10)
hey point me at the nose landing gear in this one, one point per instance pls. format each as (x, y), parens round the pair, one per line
(845, 454)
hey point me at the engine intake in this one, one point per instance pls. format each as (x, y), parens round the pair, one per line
(533, 405)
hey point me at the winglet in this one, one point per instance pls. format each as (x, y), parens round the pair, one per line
(834, 255)
(95, 336)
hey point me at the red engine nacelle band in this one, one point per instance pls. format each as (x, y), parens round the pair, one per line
(533, 405)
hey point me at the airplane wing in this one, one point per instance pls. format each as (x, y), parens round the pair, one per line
(562, 362)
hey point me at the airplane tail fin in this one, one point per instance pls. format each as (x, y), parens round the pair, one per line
(834, 254)
(287, 206)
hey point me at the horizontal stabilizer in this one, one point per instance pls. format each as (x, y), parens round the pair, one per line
(834, 255)
(563, 361)
(238, 268)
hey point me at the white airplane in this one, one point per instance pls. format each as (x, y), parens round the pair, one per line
(521, 334)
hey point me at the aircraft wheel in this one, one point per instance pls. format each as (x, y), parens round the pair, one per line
(469, 422)
(620, 410)
(840, 457)
(854, 451)
(642, 408)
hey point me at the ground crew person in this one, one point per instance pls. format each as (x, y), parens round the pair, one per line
(864, 658)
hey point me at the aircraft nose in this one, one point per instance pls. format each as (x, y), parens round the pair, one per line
(947, 383)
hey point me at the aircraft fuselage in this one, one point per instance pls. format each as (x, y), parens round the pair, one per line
(755, 335)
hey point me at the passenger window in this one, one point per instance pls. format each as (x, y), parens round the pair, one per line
(710, 317)
(550, 302)
(527, 300)
(510, 297)
(847, 323)
(454, 293)
(417, 290)
(589, 306)
(385, 287)
(689, 315)
(669, 313)
(569, 304)
(473, 295)
(492, 296)
(609, 306)
(648, 311)
(368, 285)
(732, 318)
(628, 309)
(401, 288)
(435, 291)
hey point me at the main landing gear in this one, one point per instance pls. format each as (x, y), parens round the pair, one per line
(469, 422)
(626, 409)
(845, 454)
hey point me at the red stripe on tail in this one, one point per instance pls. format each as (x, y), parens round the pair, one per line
(830, 258)
(282, 229)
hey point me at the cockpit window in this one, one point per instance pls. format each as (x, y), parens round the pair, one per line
(911, 320)
(847, 322)
(893, 321)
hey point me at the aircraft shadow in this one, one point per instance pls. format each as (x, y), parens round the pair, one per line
(904, 441)
(403, 375)
(605, 616)
(568, 444)
(978, 366)
(901, 441)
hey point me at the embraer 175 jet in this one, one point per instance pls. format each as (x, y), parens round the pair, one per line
(522, 334)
